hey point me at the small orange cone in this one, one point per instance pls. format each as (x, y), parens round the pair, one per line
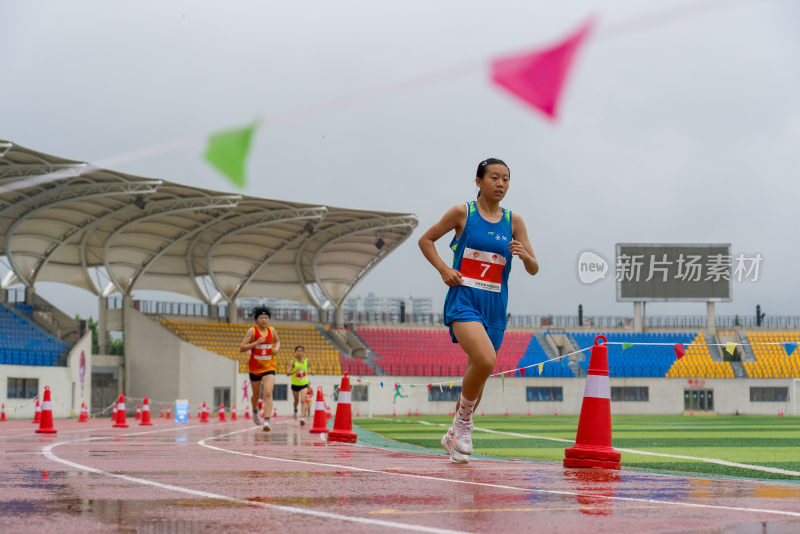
(3, 414)
(483, 414)
(46, 423)
(416, 413)
(204, 413)
(593, 442)
(114, 414)
(343, 424)
(169, 412)
(319, 414)
(121, 413)
(274, 412)
(233, 413)
(409, 413)
(506, 412)
(161, 412)
(221, 412)
(84, 418)
(246, 413)
(358, 414)
(145, 421)
(138, 412)
(394, 413)
(37, 415)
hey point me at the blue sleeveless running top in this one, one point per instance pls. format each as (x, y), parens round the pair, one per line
(483, 257)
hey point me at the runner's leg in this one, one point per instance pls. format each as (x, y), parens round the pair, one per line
(256, 394)
(267, 386)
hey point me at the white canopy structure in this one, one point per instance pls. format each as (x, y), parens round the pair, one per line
(107, 232)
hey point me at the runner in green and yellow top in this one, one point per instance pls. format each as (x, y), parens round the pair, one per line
(299, 373)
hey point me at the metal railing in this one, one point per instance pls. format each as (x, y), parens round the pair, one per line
(315, 315)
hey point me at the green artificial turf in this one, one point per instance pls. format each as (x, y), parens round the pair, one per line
(768, 441)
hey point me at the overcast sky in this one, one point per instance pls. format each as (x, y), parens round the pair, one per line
(679, 124)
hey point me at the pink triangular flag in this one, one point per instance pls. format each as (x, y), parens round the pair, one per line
(539, 77)
(522, 372)
(680, 350)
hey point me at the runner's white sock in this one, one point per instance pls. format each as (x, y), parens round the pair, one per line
(465, 408)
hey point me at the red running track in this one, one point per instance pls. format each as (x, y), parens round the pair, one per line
(232, 477)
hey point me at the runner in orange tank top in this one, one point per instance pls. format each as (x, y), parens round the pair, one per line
(262, 342)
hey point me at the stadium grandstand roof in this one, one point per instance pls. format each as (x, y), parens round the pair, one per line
(105, 231)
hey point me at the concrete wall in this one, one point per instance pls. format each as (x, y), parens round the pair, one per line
(665, 396)
(67, 390)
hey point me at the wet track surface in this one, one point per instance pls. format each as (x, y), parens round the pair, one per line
(232, 477)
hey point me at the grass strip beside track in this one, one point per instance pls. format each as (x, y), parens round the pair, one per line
(768, 441)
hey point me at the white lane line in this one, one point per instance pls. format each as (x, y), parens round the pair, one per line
(48, 453)
(752, 467)
(203, 443)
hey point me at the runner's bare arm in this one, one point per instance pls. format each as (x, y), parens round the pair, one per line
(276, 344)
(454, 219)
(520, 245)
(248, 342)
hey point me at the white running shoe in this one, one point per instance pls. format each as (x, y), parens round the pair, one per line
(256, 419)
(455, 456)
(462, 435)
(266, 427)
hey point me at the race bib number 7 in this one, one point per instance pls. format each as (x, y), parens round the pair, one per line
(482, 270)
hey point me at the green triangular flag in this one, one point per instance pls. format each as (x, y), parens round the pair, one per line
(503, 380)
(227, 152)
(626, 345)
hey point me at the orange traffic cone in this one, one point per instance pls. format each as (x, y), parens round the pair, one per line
(483, 414)
(114, 414)
(221, 412)
(46, 423)
(593, 442)
(343, 424)
(246, 413)
(121, 413)
(145, 421)
(204, 413)
(394, 413)
(84, 418)
(506, 412)
(169, 412)
(274, 412)
(161, 411)
(409, 413)
(319, 414)
(138, 412)
(529, 412)
(416, 413)
(37, 415)
(233, 413)
(3, 414)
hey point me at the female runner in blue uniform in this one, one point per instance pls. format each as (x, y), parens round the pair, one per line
(486, 238)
